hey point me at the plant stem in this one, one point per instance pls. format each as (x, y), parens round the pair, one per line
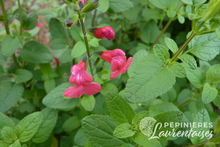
(184, 103)
(161, 33)
(5, 17)
(86, 41)
(93, 18)
(165, 28)
(20, 15)
(193, 34)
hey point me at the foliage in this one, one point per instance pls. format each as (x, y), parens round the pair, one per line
(137, 70)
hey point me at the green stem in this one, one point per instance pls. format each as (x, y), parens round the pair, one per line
(20, 15)
(184, 103)
(193, 34)
(86, 41)
(5, 17)
(161, 33)
(93, 18)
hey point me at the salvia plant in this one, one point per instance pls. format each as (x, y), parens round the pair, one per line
(110, 73)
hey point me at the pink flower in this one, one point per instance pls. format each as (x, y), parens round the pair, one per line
(78, 90)
(83, 82)
(104, 32)
(119, 63)
(39, 25)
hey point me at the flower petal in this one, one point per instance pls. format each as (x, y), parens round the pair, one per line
(114, 74)
(117, 63)
(92, 88)
(126, 65)
(74, 91)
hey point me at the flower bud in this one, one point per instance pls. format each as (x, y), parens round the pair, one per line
(104, 32)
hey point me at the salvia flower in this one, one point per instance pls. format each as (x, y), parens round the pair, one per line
(39, 25)
(83, 82)
(104, 32)
(118, 60)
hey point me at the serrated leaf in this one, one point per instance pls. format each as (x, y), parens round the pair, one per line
(5, 121)
(143, 140)
(10, 94)
(201, 117)
(123, 131)
(15, 144)
(209, 93)
(55, 98)
(138, 117)
(119, 109)
(161, 51)
(136, 58)
(9, 45)
(57, 29)
(171, 44)
(150, 79)
(28, 126)
(196, 77)
(212, 75)
(78, 50)
(120, 6)
(58, 43)
(8, 134)
(30, 22)
(22, 75)
(80, 138)
(88, 102)
(99, 131)
(49, 121)
(36, 52)
(177, 69)
(188, 60)
(205, 47)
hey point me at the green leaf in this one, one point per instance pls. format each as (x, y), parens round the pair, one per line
(99, 131)
(151, 14)
(88, 102)
(80, 138)
(30, 22)
(150, 79)
(28, 126)
(120, 6)
(142, 140)
(49, 85)
(57, 29)
(177, 69)
(55, 98)
(76, 33)
(58, 43)
(181, 18)
(3, 144)
(212, 75)
(209, 93)
(10, 94)
(188, 60)
(123, 131)
(193, 2)
(71, 124)
(65, 57)
(22, 75)
(201, 117)
(205, 47)
(103, 5)
(9, 45)
(171, 44)
(196, 77)
(8, 134)
(108, 88)
(164, 4)
(79, 49)
(161, 51)
(127, 145)
(136, 58)
(119, 109)
(131, 14)
(49, 121)
(5, 121)
(16, 144)
(138, 117)
(149, 32)
(36, 52)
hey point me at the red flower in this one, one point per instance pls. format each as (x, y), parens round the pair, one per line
(117, 58)
(104, 32)
(39, 25)
(78, 90)
(83, 81)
